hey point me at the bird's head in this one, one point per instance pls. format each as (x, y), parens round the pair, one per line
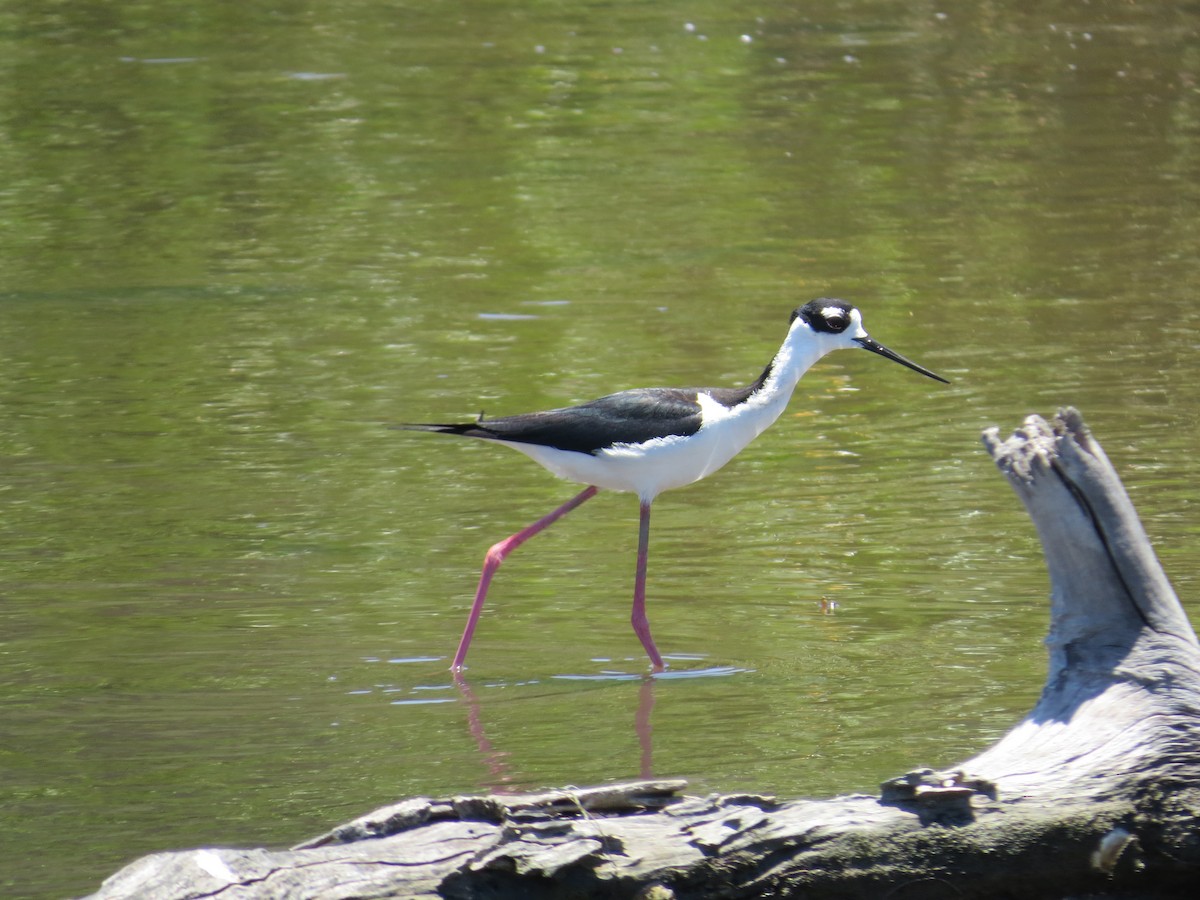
(837, 325)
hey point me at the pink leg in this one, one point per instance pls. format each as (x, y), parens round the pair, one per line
(641, 626)
(497, 554)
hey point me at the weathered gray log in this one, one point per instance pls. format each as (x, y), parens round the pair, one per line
(1096, 792)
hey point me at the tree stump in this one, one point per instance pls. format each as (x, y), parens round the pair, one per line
(1096, 793)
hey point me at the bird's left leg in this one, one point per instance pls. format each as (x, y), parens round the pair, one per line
(495, 556)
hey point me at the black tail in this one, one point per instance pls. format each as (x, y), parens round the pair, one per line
(471, 429)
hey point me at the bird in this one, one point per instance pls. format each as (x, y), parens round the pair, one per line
(649, 440)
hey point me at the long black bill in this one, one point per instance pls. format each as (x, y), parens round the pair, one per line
(875, 347)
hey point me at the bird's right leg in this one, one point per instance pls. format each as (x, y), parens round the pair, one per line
(641, 625)
(497, 554)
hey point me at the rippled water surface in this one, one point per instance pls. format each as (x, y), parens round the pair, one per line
(237, 245)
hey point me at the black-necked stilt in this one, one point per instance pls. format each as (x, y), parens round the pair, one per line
(649, 440)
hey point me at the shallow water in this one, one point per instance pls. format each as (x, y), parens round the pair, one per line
(235, 249)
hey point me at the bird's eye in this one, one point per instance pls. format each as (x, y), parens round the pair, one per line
(835, 319)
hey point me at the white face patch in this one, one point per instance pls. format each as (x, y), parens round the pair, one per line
(856, 327)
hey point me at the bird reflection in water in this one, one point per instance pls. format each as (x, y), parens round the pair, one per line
(501, 777)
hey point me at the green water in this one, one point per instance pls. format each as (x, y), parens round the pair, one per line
(237, 241)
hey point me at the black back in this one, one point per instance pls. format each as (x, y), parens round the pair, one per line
(627, 417)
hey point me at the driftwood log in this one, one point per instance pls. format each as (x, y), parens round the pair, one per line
(1096, 793)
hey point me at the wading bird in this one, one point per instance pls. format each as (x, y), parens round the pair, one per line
(649, 440)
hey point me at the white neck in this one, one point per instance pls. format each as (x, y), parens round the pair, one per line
(801, 350)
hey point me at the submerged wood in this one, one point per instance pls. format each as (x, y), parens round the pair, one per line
(1095, 793)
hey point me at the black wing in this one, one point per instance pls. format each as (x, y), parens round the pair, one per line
(627, 417)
